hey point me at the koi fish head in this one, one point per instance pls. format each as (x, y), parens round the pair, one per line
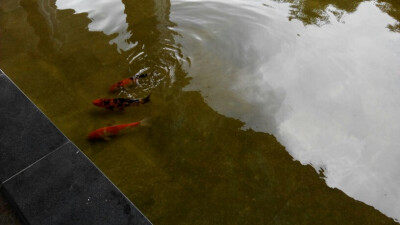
(115, 86)
(95, 135)
(122, 84)
(99, 102)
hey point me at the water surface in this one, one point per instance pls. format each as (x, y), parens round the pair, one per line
(263, 112)
(328, 92)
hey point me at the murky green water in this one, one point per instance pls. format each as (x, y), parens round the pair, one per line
(209, 156)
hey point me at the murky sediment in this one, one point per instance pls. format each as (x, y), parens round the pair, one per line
(240, 90)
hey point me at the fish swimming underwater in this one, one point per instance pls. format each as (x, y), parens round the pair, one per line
(106, 132)
(119, 103)
(127, 82)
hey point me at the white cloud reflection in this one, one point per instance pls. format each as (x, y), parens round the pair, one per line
(330, 94)
(107, 16)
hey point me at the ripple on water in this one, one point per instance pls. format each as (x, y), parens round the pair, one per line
(328, 93)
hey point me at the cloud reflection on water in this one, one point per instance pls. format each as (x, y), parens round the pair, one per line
(107, 16)
(330, 94)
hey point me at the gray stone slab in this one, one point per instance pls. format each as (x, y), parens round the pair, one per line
(66, 188)
(26, 135)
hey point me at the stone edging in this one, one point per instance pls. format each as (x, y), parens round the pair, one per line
(45, 177)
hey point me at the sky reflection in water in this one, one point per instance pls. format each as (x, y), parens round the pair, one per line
(107, 16)
(330, 93)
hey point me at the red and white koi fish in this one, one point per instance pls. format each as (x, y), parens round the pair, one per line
(106, 132)
(127, 82)
(119, 103)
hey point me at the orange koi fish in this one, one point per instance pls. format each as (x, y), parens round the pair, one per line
(119, 103)
(106, 132)
(126, 82)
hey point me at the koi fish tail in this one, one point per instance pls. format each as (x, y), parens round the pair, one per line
(145, 100)
(145, 122)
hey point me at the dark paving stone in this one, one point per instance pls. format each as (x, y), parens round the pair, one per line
(7, 214)
(26, 135)
(66, 188)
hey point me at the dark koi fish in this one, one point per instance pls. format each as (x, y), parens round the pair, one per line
(106, 132)
(126, 82)
(119, 103)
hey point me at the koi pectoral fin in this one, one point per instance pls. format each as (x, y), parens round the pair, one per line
(107, 138)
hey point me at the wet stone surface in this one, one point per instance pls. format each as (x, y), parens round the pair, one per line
(26, 135)
(45, 178)
(7, 214)
(66, 188)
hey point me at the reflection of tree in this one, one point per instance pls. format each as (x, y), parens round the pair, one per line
(316, 11)
(392, 8)
(42, 17)
(152, 31)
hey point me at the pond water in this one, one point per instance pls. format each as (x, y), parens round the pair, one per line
(262, 112)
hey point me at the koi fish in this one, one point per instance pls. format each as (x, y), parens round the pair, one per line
(106, 132)
(126, 82)
(119, 103)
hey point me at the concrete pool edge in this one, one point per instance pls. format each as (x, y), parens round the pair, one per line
(45, 177)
